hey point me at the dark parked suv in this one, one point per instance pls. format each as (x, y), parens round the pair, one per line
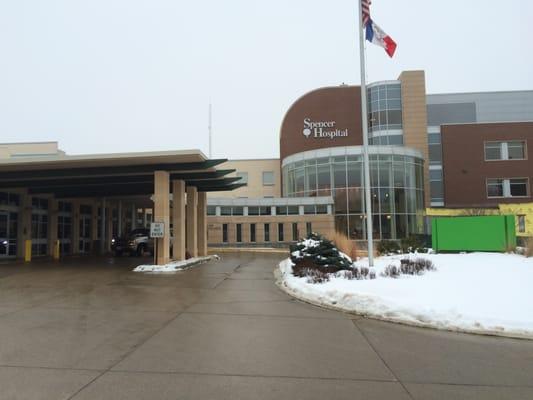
(137, 242)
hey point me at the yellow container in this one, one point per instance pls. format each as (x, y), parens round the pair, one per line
(27, 250)
(56, 250)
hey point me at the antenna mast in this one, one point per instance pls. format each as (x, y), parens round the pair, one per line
(210, 127)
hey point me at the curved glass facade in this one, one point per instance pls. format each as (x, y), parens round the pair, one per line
(385, 113)
(397, 183)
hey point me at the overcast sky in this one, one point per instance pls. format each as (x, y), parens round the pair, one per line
(138, 75)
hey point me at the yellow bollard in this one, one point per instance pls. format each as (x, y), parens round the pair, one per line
(56, 251)
(27, 250)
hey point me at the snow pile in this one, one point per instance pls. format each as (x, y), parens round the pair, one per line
(477, 292)
(175, 266)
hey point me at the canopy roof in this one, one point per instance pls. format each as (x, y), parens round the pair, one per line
(110, 175)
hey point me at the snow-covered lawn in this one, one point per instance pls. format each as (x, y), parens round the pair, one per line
(478, 292)
(174, 266)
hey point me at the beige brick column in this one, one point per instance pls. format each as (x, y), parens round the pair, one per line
(178, 219)
(202, 224)
(52, 224)
(414, 115)
(192, 221)
(162, 214)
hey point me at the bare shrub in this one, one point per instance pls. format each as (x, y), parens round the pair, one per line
(344, 244)
(529, 246)
(391, 271)
(313, 275)
(416, 267)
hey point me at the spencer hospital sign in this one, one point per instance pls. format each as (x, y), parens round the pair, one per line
(323, 129)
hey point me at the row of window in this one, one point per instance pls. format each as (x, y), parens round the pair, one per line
(268, 178)
(227, 211)
(507, 187)
(508, 150)
(252, 232)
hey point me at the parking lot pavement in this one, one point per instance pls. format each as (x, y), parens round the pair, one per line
(89, 328)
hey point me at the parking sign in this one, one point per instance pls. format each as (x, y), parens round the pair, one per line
(157, 229)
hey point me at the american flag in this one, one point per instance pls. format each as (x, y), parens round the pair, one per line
(365, 6)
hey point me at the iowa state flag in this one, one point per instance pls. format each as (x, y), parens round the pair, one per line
(374, 34)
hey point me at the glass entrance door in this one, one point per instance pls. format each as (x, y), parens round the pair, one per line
(4, 234)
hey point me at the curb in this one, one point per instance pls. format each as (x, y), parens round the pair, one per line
(247, 250)
(194, 263)
(280, 283)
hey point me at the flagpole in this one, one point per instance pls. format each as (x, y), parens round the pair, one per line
(364, 118)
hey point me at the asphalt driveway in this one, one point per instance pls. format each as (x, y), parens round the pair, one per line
(92, 329)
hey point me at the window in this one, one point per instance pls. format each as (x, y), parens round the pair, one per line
(243, 176)
(309, 228)
(63, 206)
(265, 210)
(512, 150)
(516, 150)
(293, 210)
(225, 211)
(268, 178)
(39, 204)
(238, 211)
(493, 151)
(253, 210)
(282, 210)
(322, 209)
(267, 232)
(518, 187)
(495, 187)
(252, 233)
(211, 210)
(225, 233)
(295, 231)
(514, 187)
(521, 223)
(239, 233)
(281, 238)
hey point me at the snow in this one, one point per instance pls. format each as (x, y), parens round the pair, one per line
(174, 266)
(478, 292)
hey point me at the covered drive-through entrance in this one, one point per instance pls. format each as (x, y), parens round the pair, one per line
(77, 204)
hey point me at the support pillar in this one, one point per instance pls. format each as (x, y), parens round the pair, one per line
(162, 214)
(24, 224)
(76, 226)
(202, 224)
(53, 210)
(192, 221)
(94, 223)
(178, 219)
(109, 226)
(103, 220)
(119, 216)
(134, 215)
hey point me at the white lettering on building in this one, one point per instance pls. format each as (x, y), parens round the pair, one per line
(323, 129)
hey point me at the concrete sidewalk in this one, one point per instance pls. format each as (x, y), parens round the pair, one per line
(92, 329)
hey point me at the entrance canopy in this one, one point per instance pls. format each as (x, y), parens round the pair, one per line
(113, 175)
